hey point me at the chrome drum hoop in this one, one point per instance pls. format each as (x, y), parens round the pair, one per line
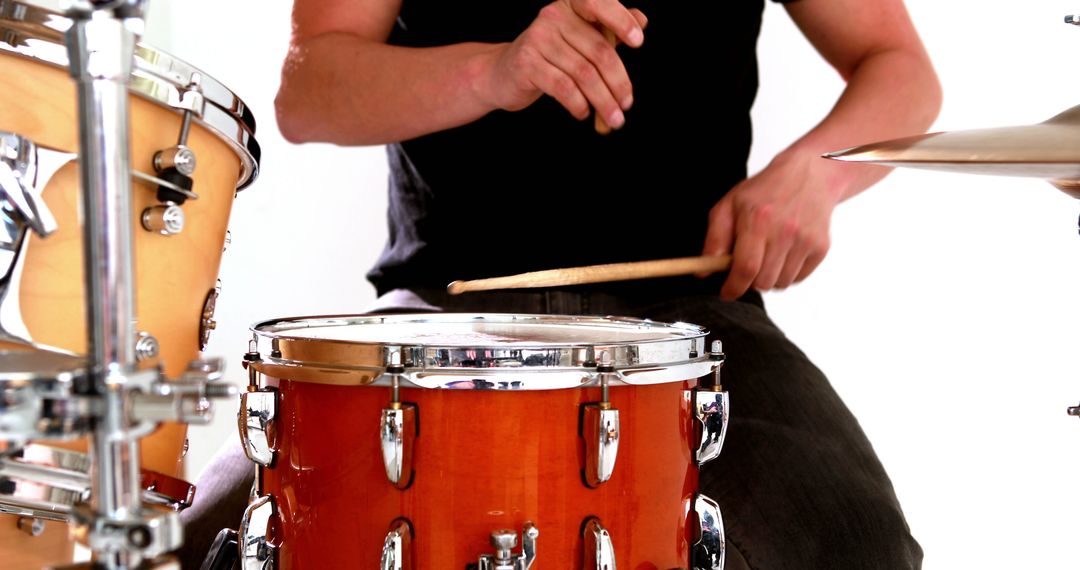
(481, 351)
(35, 29)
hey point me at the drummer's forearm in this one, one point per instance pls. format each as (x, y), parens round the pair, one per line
(892, 90)
(890, 94)
(343, 89)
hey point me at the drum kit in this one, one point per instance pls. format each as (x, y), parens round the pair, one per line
(110, 246)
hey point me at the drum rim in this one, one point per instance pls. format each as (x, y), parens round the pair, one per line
(259, 328)
(158, 77)
(518, 366)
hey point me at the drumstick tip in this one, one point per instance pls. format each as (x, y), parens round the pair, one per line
(456, 287)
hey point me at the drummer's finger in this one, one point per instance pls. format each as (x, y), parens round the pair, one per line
(612, 15)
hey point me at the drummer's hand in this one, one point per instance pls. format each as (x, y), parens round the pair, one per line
(775, 224)
(563, 54)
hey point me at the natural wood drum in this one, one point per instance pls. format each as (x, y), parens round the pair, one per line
(173, 274)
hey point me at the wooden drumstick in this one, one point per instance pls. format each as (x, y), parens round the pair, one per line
(599, 124)
(596, 274)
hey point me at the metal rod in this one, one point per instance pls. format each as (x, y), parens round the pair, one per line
(101, 54)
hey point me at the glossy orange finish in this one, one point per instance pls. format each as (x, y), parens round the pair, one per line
(483, 461)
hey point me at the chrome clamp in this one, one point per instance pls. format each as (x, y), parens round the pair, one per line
(151, 534)
(39, 397)
(185, 400)
(505, 541)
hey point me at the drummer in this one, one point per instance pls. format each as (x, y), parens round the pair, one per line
(495, 170)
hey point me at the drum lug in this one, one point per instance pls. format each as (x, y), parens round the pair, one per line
(397, 548)
(599, 551)
(708, 552)
(711, 409)
(258, 413)
(256, 551)
(504, 541)
(399, 426)
(600, 430)
(399, 429)
(32, 526)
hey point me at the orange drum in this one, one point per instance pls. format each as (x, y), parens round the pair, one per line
(192, 148)
(449, 440)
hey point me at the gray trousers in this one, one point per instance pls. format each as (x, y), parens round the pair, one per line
(798, 483)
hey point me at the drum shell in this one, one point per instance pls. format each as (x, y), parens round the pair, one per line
(484, 460)
(173, 274)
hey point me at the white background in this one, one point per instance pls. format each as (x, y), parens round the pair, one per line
(945, 314)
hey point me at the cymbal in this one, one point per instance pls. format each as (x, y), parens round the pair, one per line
(1049, 150)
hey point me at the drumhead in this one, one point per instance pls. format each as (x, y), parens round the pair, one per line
(451, 350)
(35, 29)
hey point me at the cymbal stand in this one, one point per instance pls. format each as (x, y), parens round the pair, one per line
(1073, 19)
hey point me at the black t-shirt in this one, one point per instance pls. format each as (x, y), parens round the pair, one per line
(537, 189)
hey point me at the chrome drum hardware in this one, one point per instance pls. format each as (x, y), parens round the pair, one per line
(599, 551)
(397, 549)
(38, 397)
(44, 482)
(600, 429)
(164, 219)
(398, 429)
(711, 409)
(25, 170)
(256, 551)
(708, 552)
(505, 541)
(207, 323)
(258, 411)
